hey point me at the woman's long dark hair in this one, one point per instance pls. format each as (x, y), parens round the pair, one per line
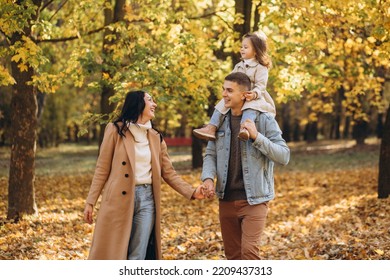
(132, 109)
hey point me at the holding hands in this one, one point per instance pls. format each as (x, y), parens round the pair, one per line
(198, 193)
(206, 190)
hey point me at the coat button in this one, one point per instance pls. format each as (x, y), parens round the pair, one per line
(123, 192)
(123, 162)
(126, 175)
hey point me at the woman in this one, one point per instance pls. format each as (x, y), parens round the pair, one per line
(133, 158)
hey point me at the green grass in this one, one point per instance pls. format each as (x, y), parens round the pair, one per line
(76, 159)
(341, 160)
(332, 155)
(65, 159)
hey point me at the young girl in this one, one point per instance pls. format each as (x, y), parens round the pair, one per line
(255, 63)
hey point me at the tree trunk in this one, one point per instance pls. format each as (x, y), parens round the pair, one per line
(21, 196)
(311, 132)
(181, 130)
(41, 103)
(110, 16)
(257, 17)
(243, 7)
(384, 160)
(334, 132)
(337, 116)
(286, 125)
(296, 131)
(105, 108)
(381, 72)
(379, 126)
(346, 128)
(24, 109)
(360, 132)
(197, 144)
(197, 156)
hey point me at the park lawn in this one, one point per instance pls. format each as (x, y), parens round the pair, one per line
(326, 207)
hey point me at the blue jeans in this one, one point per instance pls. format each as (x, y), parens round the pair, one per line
(217, 117)
(143, 222)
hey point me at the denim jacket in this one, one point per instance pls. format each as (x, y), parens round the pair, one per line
(257, 157)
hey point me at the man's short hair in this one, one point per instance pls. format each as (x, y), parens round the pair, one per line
(240, 78)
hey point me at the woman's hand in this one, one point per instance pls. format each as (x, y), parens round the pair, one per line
(88, 211)
(198, 193)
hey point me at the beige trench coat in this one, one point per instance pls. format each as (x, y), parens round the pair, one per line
(258, 74)
(114, 177)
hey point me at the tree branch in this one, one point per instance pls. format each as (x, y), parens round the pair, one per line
(45, 5)
(227, 23)
(6, 39)
(209, 14)
(57, 40)
(61, 5)
(215, 13)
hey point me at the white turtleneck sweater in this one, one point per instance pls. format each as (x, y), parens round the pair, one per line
(250, 60)
(143, 166)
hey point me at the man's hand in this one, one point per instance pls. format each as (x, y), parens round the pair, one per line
(208, 188)
(251, 127)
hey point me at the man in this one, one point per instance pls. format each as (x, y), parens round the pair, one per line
(244, 171)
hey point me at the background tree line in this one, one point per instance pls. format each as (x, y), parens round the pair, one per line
(66, 64)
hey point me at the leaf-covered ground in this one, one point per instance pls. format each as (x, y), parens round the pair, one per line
(326, 207)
